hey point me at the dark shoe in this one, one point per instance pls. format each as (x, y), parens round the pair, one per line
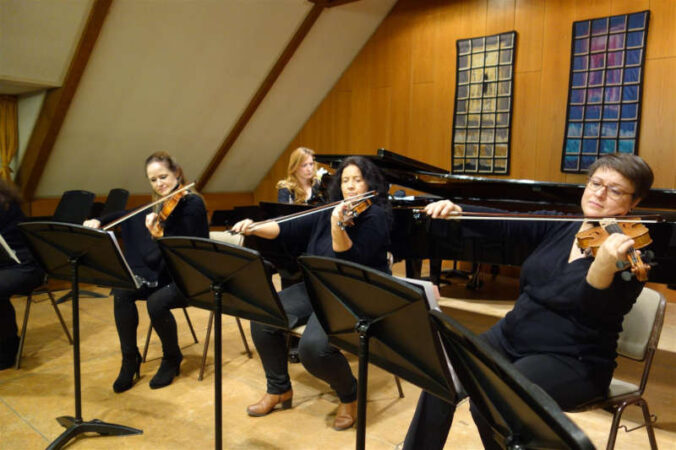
(169, 368)
(268, 403)
(130, 372)
(294, 356)
(9, 347)
(346, 416)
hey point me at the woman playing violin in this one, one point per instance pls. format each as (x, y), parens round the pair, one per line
(562, 333)
(327, 233)
(188, 217)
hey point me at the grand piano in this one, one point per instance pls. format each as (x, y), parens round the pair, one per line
(415, 237)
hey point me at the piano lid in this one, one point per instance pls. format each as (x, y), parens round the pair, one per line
(510, 193)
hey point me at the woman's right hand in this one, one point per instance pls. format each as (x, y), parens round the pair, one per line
(442, 209)
(242, 227)
(92, 223)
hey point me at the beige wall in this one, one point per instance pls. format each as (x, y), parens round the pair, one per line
(398, 92)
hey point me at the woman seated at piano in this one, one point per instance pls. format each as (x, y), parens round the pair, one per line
(562, 332)
(15, 277)
(188, 218)
(364, 240)
(301, 185)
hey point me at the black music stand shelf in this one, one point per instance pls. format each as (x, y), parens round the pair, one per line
(77, 253)
(226, 279)
(520, 413)
(381, 319)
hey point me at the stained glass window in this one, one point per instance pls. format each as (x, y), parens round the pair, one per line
(604, 97)
(483, 104)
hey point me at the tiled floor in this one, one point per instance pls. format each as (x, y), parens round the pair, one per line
(181, 416)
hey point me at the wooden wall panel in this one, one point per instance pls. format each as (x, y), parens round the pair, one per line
(398, 92)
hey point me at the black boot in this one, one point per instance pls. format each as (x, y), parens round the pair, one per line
(129, 372)
(8, 350)
(169, 368)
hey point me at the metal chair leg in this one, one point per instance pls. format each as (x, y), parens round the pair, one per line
(192, 330)
(401, 391)
(206, 346)
(648, 424)
(145, 347)
(241, 333)
(29, 300)
(58, 314)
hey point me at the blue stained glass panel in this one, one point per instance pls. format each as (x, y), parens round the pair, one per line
(600, 26)
(581, 29)
(587, 161)
(625, 145)
(618, 23)
(593, 112)
(575, 112)
(637, 20)
(630, 93)
(580, 79)
(634, 57)
(616, 41)
(595, 95)
(635, 39)
(611, 112)
(613, 94)
(607, 146)
(609, 129)
(632, 75)
(573, 146)
(591, 129)
(597, 61)
(577, 96)
(570, 163)
(589, 146)
(613, 76)
(582, 45)
(575, 129)
(630, 111)
(615, 59)
(596, 78)
(580, 63)
(598, 43)
(628, 129)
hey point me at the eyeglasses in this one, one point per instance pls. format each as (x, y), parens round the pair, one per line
(613, 192)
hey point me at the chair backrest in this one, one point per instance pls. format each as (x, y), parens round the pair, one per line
(116, 201)
(642, 325)
(74, 207)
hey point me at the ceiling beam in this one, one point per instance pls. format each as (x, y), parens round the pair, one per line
(262, 91)
(332, 3)
(56, 104)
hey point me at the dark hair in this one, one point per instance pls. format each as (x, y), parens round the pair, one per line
(631, 167)
(8, 194)
(374, 180)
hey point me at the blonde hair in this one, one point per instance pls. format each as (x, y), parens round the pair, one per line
(291, 182)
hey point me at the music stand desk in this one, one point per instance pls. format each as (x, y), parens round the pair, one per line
(226, 279)
(79, 254)
(520, 413)
(381, 319)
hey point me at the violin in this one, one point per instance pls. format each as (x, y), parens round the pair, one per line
(182, 191)
(168, 206)
(353, 211)
(591, 239)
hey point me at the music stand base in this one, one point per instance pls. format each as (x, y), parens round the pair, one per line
(75, 426)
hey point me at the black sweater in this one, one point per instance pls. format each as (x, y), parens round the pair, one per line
(370, 237)
(557, 311)
(9, 218)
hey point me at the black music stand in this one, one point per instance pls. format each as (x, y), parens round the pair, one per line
(390, 320)
(226, 279)
(520, 413)
(77, 253)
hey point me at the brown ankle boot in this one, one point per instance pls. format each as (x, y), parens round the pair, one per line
(346, 416)
(266, 404)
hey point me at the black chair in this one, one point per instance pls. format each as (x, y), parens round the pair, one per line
(116, 201)
(520, 413)
(73, 207)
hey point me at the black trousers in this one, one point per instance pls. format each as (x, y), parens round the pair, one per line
(569, 381)
(18, 279)
(319, 357)
(159, 302)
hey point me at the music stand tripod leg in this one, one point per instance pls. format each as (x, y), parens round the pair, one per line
(362, 328)
(217, 288)
(75, 425)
